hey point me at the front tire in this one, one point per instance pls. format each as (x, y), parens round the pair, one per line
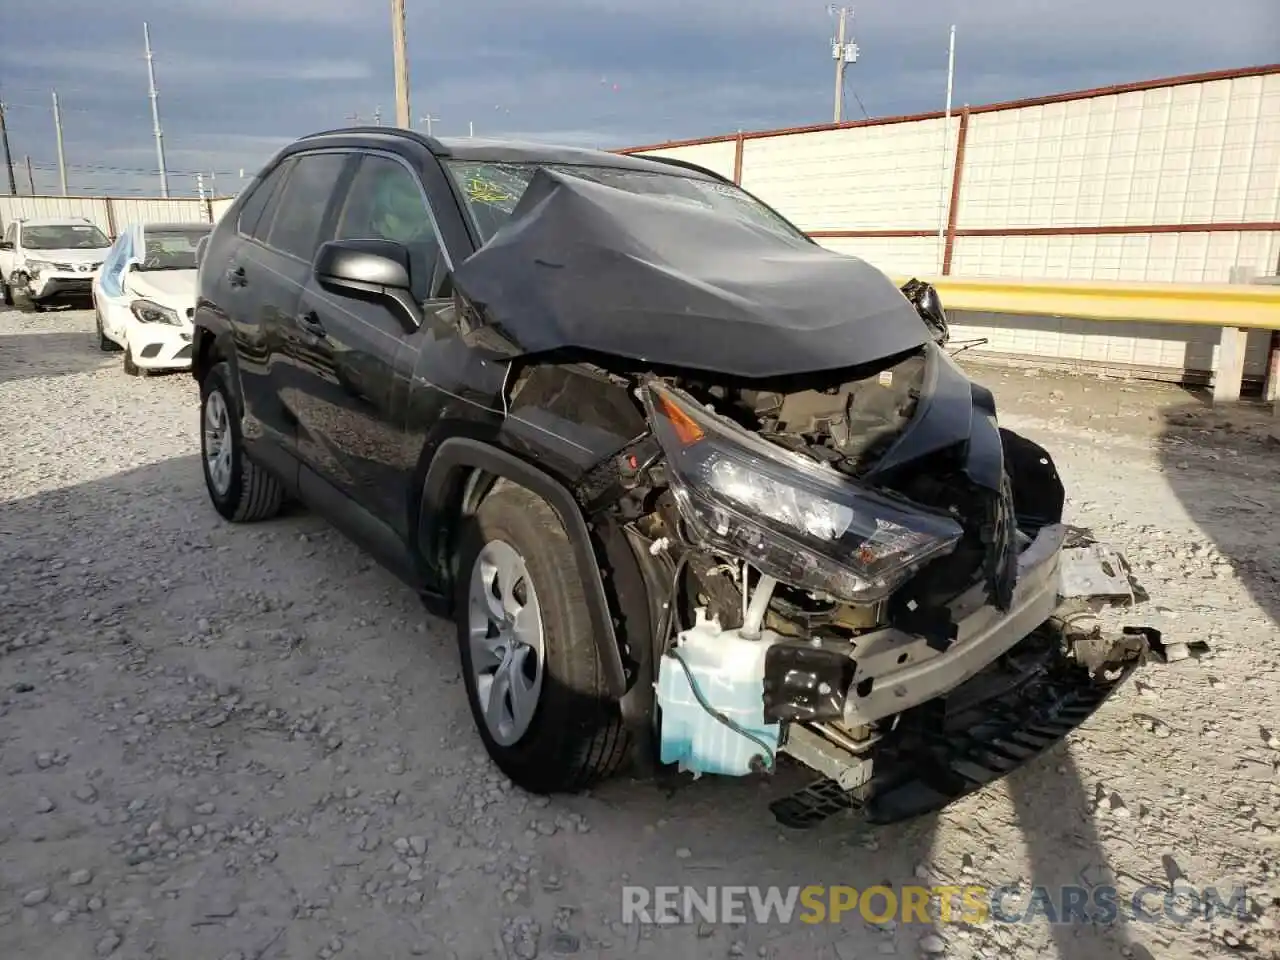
(241, 491)
(6, 292)
(131, 368)
(105, 343)
(533, 675)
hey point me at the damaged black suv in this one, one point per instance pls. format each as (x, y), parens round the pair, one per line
(698, 492)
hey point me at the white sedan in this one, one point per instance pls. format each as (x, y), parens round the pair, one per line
(144, 295)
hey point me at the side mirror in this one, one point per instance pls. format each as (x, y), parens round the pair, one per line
(924, 297)
(369, 270)
(201, 245)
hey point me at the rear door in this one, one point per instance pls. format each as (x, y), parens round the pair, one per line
(357, 355)
(264, 277)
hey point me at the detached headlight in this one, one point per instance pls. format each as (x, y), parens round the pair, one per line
(149, 312)
(792, 518)
(35, 266)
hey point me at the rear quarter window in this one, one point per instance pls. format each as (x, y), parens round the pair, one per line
(255, 204)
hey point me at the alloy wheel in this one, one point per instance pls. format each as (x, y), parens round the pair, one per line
(217, 443)
(508, 647)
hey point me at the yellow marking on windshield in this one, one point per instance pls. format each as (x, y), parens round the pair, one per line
(486, 191)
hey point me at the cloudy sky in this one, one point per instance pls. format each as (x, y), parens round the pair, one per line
(238, 78)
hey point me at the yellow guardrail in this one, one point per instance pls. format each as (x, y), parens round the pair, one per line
(1240, 305)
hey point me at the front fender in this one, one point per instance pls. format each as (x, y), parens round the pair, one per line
(459, 457)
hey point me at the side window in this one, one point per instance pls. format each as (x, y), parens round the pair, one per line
(251, 213)
(387, 202)
(295, 228)
(11, 233)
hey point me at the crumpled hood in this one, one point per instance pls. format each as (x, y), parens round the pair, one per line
(170, 288)
(668, 282)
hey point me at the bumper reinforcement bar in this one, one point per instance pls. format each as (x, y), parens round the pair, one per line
(947, 748)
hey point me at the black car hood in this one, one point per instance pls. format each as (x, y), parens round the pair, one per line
(668, 282)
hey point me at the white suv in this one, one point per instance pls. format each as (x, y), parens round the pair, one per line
(50, 258)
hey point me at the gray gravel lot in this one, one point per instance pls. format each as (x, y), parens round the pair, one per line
(221, 742)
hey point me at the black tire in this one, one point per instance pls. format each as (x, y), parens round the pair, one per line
(105, 343)
(576, 737)
(252, 493)
(6, 292)
(131, 368)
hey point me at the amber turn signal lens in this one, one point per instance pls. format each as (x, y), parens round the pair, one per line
(687, 430)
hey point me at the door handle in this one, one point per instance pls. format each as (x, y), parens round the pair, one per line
(236, 277)
(310, 322)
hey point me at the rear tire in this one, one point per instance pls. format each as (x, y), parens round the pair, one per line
(6, 292)
(241, 491)
(573, 736)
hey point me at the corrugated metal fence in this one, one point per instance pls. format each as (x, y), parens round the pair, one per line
(1174, 180)
(113, 214)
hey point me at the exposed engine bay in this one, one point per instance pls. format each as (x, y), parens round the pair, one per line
(826, 551)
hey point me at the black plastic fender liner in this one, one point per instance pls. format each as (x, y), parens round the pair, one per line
(466, 453)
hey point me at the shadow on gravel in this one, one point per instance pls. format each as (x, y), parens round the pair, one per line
(24, 356)
(1223, 464)
(726, 821)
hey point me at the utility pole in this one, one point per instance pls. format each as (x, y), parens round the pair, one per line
(946, 138)
(843, 51)
(471, 128)
(62, 160)
(31, 180)
(155, 112)
(377, 116)
(428, 119)
(8, 157)
(402, 64)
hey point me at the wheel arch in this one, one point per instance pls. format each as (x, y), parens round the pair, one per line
(209, 348)
(462, 471)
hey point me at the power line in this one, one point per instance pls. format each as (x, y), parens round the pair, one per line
(854, 92)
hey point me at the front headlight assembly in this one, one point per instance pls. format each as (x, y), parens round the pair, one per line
(148, 311)
(36, 267)
(792, 518)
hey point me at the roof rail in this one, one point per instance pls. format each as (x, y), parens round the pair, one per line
(431, 143)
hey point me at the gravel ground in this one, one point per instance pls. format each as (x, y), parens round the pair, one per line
(250, 742)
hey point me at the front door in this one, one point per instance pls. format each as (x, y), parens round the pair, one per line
(358, 355)
(264, 277)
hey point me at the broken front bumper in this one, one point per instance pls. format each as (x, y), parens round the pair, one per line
(45, 286)
(897, 671)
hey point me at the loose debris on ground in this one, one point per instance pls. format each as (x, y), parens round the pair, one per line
(250, 742)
